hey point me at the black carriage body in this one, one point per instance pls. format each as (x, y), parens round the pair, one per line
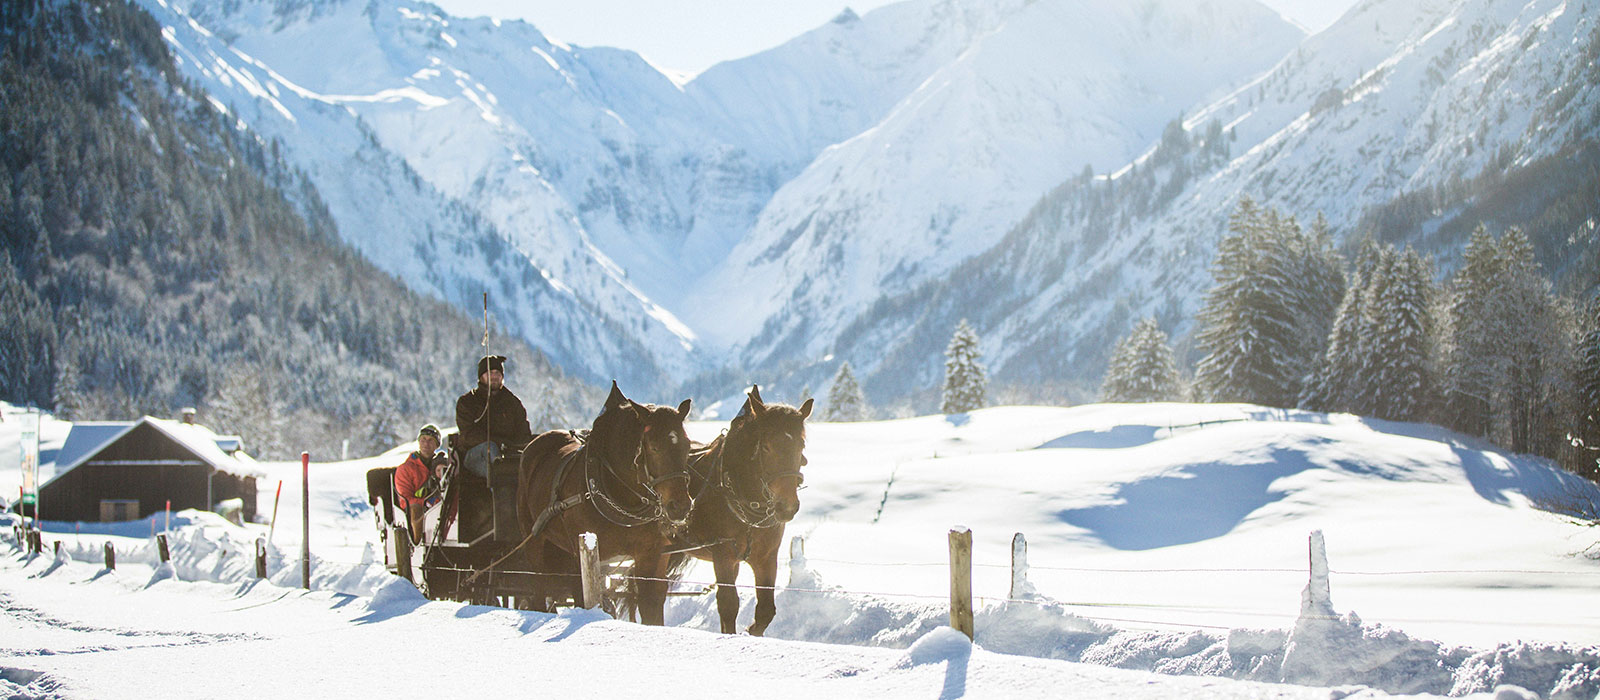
(468, 561)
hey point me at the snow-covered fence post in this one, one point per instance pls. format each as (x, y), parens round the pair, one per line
(55, 551)
(1317, 599)
(589, 567)
(797, 552)
(161, 547)
(111, 557)
(261, 557)
(1021, 589)
(305, 520)
(961, 580)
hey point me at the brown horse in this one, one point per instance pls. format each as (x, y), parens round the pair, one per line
(747, 482)
(625, 480)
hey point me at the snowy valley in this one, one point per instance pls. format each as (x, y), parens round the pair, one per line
(1167, 542)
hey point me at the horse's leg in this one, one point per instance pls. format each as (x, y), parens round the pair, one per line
(651, 571)
(652, 592)
(546, 563)
(726, 564)
(764, 565)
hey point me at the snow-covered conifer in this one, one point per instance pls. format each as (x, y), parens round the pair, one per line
(965, 385)
(845, 401)
(1142, 368)
(1399, 351)
(1587, 371)
(1504, 350)
(1338, 384)
(1265, 323)
(1469, 361)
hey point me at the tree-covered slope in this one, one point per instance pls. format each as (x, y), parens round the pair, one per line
(158, 256)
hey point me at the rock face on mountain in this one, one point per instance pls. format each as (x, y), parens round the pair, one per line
(852, 193)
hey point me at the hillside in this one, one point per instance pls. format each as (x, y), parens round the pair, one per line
(158, 256)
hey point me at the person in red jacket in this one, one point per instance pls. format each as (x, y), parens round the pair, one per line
(416, 486)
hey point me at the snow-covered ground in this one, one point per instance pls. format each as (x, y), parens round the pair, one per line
(1169, 540)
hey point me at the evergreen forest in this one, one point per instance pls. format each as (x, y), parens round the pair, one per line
(158, 256)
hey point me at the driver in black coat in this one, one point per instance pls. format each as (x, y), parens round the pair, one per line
(491, 418)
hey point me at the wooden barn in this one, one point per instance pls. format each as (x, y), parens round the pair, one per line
(125, 471)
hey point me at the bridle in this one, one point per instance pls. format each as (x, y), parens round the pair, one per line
(651, 507)
(761, 513)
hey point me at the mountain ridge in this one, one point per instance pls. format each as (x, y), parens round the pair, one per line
(761, 218)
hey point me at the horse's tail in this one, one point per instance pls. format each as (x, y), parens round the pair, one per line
(678, 564)
(627, 593)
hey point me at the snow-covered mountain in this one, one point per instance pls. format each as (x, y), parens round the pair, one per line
(598, 193)
(854, 192)
(1398, 97)
(364, 136)
(1043, 90)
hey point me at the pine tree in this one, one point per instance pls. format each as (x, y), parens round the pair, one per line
(69, 399)
(246, 405)
(965, 385)
(1265, 323)
(1505, 350)
(1398, 352)
(1587, 428)
(28, 345)
(1339, 383)
(1470, 361)
(1142, 368)
(1540, 353)
(845, 401)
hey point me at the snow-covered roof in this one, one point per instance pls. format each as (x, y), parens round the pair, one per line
(87, 438)
(220, 452)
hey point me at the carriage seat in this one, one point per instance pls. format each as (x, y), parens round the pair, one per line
(488, 508)
(380, 489)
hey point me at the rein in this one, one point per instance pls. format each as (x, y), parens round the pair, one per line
(594, 493)
(650, 509)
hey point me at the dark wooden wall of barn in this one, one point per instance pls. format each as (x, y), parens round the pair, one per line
(76, 495)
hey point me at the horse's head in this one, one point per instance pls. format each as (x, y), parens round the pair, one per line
(651, 440)
(773, 440)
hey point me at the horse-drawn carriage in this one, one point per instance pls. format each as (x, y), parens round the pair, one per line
(465, 532)
(634, 479)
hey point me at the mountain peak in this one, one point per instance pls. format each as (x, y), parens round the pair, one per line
(846, 16)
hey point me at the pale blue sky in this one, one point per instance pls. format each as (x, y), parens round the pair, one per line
(691, 35)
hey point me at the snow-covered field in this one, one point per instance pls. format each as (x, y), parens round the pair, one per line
(1169, 540)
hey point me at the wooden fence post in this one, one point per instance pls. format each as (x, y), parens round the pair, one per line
(111, 557)
(55, 551)
(961, 580)
(261, 557)
(161, 546)
(36, 542)
(589, 565)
